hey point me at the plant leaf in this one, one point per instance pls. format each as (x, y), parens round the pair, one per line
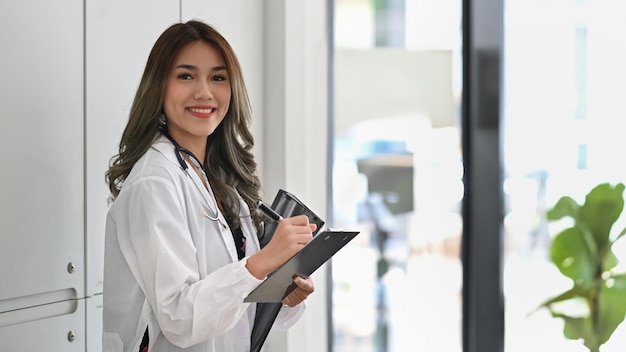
(569, 294)
(584, 253)
(612, 306)
(603, 206)
(620, 235)
(610, 260)
(579, 328)
(571, 254)
(566, 206)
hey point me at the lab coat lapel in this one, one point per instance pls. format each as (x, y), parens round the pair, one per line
(221, 224)
(165, 147)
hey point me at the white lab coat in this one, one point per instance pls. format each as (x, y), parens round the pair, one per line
(171, 268)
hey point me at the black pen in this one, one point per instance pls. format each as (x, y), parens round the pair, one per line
(267, 210)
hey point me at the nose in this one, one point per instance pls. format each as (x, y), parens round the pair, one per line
(203, 91)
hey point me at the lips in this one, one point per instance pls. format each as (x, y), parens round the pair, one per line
(204, 112)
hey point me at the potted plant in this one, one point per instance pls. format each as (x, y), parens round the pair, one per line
(584, 254)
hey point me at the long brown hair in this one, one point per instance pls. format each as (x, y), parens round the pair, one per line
(229, 162)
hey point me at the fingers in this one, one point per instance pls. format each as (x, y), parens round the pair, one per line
(298, 220)
(290, 236)
(304, 287)
(303, 220)
(297, 228)
(304, 284)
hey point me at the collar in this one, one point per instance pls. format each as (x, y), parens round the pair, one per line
(167, 148)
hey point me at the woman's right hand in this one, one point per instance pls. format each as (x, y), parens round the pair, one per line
(290, 236)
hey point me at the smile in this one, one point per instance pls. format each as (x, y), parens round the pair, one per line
(201, 111)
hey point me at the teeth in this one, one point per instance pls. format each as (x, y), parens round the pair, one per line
(202, 111)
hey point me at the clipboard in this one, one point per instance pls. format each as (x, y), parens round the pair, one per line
(279, 284)
(315, 253)
(287, 205)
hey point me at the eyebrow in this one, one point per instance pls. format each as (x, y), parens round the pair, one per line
(195, 68)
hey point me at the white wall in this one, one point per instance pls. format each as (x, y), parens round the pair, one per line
(70, 70)
(295, 133)
(42, 181)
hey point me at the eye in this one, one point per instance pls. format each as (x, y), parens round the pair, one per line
(185, 76)
(219, 78)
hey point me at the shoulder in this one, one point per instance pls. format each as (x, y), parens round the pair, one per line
(159, 164)
(159, 160)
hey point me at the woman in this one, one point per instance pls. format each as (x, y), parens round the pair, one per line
(181, 246)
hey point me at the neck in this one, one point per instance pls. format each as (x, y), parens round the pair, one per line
(197, 146)
(198, 151)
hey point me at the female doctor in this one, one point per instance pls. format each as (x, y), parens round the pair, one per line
(181, 250)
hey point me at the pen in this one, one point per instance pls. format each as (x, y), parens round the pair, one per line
(267, 210)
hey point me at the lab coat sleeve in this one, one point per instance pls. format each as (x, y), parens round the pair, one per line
(288, 316)
(188, 310)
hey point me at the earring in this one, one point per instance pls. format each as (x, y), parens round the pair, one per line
(162, 121)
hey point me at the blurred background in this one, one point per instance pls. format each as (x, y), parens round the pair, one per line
(398, 162)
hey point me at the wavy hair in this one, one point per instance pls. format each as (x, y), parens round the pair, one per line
(229, 162)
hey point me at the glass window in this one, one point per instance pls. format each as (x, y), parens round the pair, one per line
(397, 175)
(564, 74)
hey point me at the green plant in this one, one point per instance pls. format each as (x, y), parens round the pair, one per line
(584, 253)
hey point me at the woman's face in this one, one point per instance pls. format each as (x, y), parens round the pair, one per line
(197, 94)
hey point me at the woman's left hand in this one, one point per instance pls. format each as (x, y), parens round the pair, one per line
(304, 287)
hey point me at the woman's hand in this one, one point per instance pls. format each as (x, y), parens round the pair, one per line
(304, 287)
(290, 236)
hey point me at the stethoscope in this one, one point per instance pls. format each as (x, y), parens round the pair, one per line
(179, 151)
